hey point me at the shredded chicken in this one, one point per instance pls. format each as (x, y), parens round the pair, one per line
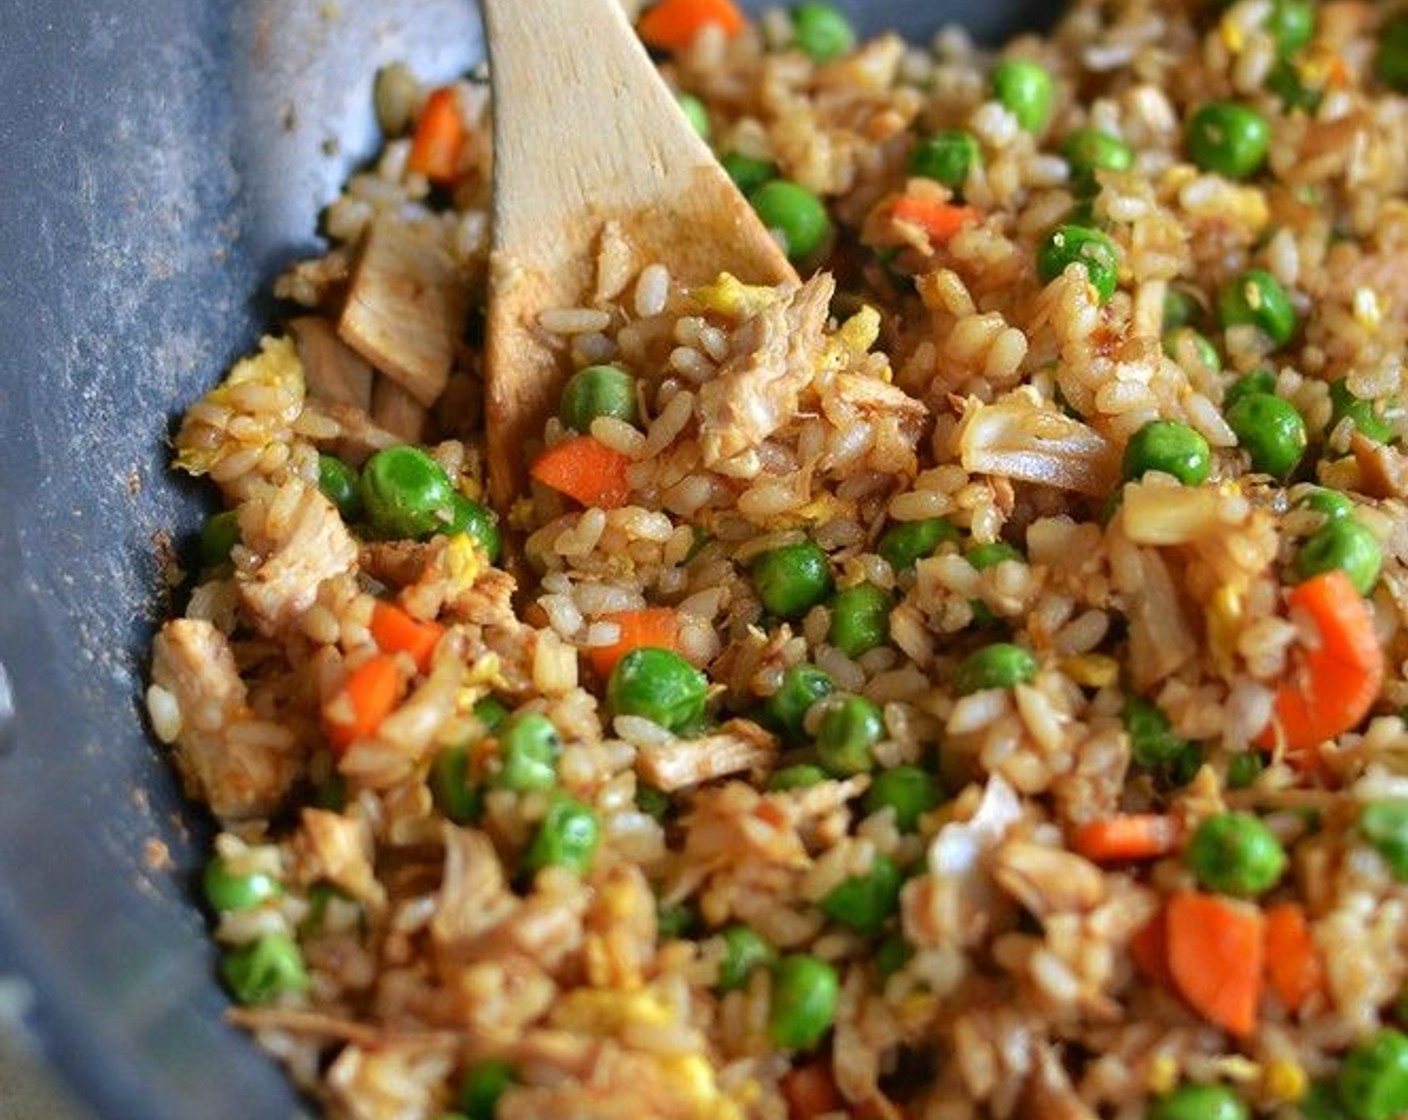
(737, 746)
(1383, 470)
(757, 392)
(241, 765)
(406, 309)
(294, 540)
(338, 849)
(396, 409)
(333, 372)
(1047, 880)
(1020, 436)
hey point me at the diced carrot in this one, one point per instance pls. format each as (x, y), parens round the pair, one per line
(1125, 837)
(1149, 948)
(672, 25)
(810, 1091)
(939, 220)
(395, 631)
(1216, 948)
(370, 694)
(1339, 679)
(1293, 968)
(658, 627)
(585, 469)
(438, 139)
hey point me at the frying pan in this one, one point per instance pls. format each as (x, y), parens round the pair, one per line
(160, 162)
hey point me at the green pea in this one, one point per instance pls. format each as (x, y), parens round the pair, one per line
(946, 157)
(864, 902)
(1228, 139)
(1285, 82)
(910, 791)
(1025, 89)
(568, 837)
(795, 213)
(490, 712)
(694, 112)
(1257, 298)
(1091, 150)
(454, 794)
(659, 685)
(1171, 447)
(1183, 342)
(905, 543)
(805, 994)
(821, 31)
(1186, 764)
(528, 748)
(265, 969)
(1152, 742)
(791, 580)
(801, 687)
(1271, 431)
(1373, 1079)
(406, 493)
(1391, 63)
(1070, 244)
(597, 391)
(479, 521)
(219, 534)
(1199, 1102)
(747, 172)
(860, 619)
(1322, 1102)
(674, 920)
(744, 950)
(225, 890)
(331, 793)
(849, 728)
(1330, 504)
(891, 955)
(1180, 309)
(652, 801)
(1292, 24)
(1235, 853)
(1243, 768)
(1258, 381)
(801, 776)
(341, 485)
(1363, 414)
(999, 665)
(482, 1086)
(1384, 824)
(1346, 544)
(985, 556)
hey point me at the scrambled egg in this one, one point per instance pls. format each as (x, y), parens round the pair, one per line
(728, 295)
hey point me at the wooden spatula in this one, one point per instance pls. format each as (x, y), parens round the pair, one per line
(585, 132)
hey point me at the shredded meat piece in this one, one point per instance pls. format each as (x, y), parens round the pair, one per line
(296, 539)
(1383, 470)
(238, 764)
(738, 745)
(332, 371)
(338, 849)
(406, 308)
(756, 392)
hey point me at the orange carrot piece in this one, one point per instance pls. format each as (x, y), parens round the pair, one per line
(395, 631)
(585, 469)
(810, 1091)
(1216, 948)
(438, 139)
(658, 627)
(939, 220)
(1293, 968)
(1149, 948)
(672, 25)
(1339, 680)
(369, 695)
(1125, 837)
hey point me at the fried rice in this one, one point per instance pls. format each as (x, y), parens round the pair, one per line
(1058, 943)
